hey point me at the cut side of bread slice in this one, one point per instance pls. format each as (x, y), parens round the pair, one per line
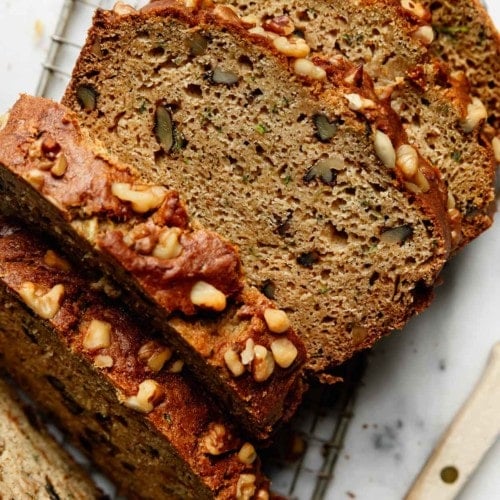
(32, 464)
(107, 381)
(467, 39)
(184, 281)
(391, 40)
(295, 161)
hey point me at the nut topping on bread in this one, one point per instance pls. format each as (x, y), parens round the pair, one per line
(140, 233)
(142, 425)
(295, 179)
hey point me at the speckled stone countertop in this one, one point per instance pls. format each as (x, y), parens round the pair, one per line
(416, 379)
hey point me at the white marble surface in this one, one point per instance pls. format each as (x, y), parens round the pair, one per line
(416, 380)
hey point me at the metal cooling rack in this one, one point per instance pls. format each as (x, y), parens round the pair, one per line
(301, 464)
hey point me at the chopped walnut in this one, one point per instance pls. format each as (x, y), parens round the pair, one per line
(149, 394)
(154, 355)
(205, 295)
(97, 336)
(45, 303)
(245, 488)
(51, 259)
(384, 149)
(304, 67)
(281, 25)
(292, 47)
(263, 364)
(247, 454)
(284, 352)
(141, 197)
(214, 441)
(168, 246)
(233, 363)
(103, 361)
(277, 320)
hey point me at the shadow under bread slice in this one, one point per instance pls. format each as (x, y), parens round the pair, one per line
(392, 41)
(468, 41)
(32, 464)
(109, 382)
(183, 280)
(335, 215)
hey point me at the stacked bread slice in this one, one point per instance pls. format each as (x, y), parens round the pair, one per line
(32, 464)
(394, 42)
(108, 382)
(321, 153)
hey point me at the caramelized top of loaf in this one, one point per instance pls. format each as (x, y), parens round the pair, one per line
(393, 40)
(138, 367)
(467, 40)
(296, 161)
(184, 279)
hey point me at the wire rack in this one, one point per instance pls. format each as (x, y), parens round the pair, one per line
(301, 463)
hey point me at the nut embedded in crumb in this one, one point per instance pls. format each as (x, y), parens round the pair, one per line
(496, 148)
(384, 149)
(476, 112)
(424, 34)
(233, 363)
(45, 303)
(206, 295)
(142, 198)
(60, 166)
(248, 353)
(35, 177)
(245, 488)
(177, 366)
(154, 355)
(277, 320)
(214, 440)
(97, 336)
(304, 67)
(51, 259)
(168, 246)
(247, 454)
(262, 495)
(407, 160)
(415, 8)
(284, 352)
(292, 47)
(122, 9)
(281, 25)
(3, 120)
(150, 393)
(103, 361)
(359, 103)
(263, 364)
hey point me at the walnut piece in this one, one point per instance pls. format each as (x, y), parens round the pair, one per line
(45, 303)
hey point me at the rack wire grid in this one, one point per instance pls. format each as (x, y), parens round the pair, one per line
(301, 462)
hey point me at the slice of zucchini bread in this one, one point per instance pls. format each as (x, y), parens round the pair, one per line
(391, 40)
(467, 39)
(32, 464)
(336, 216)
(230, 335)
(112, 385)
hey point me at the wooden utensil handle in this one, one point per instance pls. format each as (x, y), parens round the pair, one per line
(472, 432)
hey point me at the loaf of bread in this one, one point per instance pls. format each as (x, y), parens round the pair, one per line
(296, 161)
(391, 39)
(32, 464)
(110, 384)
(238, 343)
(466, 38)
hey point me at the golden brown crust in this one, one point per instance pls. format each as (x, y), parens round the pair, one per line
(157, 283)
(191, 413)
(326, 346)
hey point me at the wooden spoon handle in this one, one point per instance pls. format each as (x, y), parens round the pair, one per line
(472, 432)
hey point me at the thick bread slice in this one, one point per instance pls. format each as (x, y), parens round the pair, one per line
(308, 188)
(390, 38)
(32, 464)
(467, 39)
(140, 234)
(152, 429)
